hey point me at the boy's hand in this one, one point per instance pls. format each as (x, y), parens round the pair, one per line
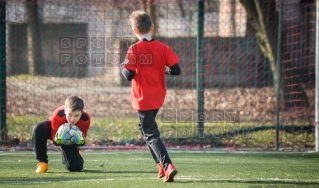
(79, 138)
(167, 70)
(60, 136)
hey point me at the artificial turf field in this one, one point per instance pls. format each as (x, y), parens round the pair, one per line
(137, 169)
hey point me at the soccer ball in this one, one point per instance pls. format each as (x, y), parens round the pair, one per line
(67, 134)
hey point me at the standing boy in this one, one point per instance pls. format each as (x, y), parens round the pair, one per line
(146, 64)
(72, 112)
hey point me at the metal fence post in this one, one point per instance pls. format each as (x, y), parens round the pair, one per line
(200, 69)
(317, 78)
(3, 72)
(278, 68)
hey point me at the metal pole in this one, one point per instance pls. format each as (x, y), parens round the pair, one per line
(278, 68)
(2, 71)
(200, 69)
(317, 78)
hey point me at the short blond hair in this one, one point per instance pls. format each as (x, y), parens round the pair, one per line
(74, 103)
(141, 20)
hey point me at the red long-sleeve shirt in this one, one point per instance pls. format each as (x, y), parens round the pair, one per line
(58, 118)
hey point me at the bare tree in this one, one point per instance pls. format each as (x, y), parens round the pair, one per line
(181, 8)
(233, 16)
(33, 37)
(265, 33)
(263, 17)
(151, 8)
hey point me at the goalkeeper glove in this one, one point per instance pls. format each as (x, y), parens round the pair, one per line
(56, 144)
(61, 136)
(78, 138)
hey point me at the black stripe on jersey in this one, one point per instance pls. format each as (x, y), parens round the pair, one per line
(84, 117)
(61, 113)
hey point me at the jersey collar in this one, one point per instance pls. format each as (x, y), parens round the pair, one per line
(145, 40)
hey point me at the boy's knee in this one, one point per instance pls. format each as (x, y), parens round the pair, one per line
(74, 168)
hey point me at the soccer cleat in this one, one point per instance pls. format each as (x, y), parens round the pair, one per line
(161, 172)
(42, 167)
(170, 173)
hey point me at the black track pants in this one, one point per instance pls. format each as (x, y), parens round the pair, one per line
(151, 134)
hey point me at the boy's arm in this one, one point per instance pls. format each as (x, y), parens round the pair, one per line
(128, 67)
(172, 60)
(55, 124)
(85, 125)
(173, 70)
(128, 74)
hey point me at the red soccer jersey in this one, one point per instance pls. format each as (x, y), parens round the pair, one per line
(58, 118)
(148, 59)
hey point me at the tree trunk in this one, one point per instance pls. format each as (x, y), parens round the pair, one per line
(265, 32)
(151, 8)
(33, 37)
(264, 19)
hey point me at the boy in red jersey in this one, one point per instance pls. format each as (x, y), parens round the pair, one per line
(72, 112)
(146, 64)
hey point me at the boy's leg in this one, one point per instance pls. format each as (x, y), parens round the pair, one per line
(151, 135)
(41, 133)
(151, 150)
(157, 161)
(71, 158)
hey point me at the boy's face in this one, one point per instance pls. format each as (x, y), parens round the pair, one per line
(72, 116)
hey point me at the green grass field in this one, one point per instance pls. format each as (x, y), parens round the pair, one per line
(137, 169)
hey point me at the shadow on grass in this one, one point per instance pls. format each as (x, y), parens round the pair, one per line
(94, 171)
(132, 172)
(252, 183)
(61, 177)
(105, 171)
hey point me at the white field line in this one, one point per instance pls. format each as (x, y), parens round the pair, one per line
(87, 151)
(239, 179)
(178, 178)
(90, 152)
